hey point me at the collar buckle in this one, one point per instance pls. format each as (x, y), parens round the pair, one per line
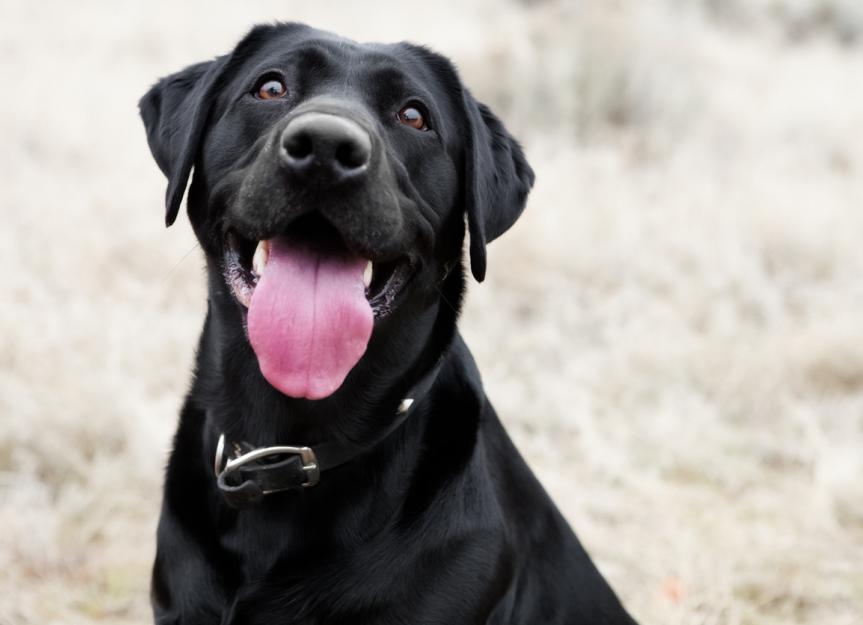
(223, 468)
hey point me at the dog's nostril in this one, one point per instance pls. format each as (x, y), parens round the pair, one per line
(325, 148)
(299, 145)
(352, 155)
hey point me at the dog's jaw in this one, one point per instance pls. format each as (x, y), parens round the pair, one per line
(309, 304)
(383, 281)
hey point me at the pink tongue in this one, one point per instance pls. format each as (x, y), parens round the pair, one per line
(309, 319)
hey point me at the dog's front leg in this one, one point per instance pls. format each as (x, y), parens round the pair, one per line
(183, 590)
(191, 573)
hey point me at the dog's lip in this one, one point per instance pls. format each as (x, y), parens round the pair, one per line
(244, 260)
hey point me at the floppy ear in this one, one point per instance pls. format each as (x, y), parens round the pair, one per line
(497, 180)
(174, 112)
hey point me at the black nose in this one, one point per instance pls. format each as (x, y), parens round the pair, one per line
(325, 148)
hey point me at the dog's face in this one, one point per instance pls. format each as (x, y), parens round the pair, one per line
(331, 184)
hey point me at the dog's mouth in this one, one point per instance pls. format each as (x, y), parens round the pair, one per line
(311, 303)
(245, 261)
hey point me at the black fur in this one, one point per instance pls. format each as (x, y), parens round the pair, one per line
(442, 522)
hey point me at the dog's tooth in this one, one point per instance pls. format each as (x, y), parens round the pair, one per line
(367, 274)
(262, 255)
(244, 296)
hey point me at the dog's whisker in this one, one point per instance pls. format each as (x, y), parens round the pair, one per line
(180, 262)
(444, 298)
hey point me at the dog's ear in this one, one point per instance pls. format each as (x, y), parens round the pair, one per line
(174, 112)
(497, 180)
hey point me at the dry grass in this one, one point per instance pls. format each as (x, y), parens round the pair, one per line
(673, 333)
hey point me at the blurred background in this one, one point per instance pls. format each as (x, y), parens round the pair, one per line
(673, 332)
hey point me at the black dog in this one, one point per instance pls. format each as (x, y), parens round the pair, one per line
(401, 498)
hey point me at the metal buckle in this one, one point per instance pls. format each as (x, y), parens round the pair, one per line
(306, 454)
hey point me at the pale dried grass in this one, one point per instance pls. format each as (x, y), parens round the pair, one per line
(672, 333)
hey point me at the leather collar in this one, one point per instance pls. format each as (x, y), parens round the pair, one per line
(245, 474)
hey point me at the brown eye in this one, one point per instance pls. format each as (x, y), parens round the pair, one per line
(272, 89)
(410, 116)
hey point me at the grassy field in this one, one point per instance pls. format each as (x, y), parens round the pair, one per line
(673, 333)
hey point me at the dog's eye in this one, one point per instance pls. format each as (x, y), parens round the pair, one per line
(271, 89)
(411, 116)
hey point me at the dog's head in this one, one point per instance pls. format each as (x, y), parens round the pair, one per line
(332, 180)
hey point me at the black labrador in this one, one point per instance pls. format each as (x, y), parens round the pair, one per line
(337, 460)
